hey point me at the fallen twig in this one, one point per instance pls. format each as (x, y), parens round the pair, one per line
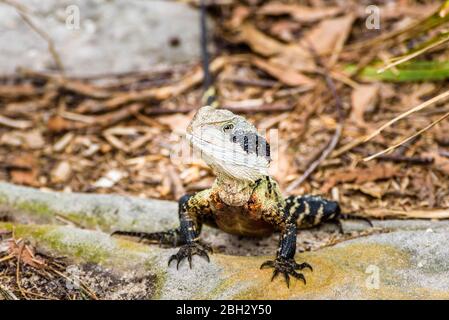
(22, 246)
(409, 214)
(251, 82)
(411, 160)
(22, 11)
(17, 124)
(7, 294)
(161, 93)
(58, 123)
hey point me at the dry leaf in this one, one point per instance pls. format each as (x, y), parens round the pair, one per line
(415, 214)
(440, 163)
(286, 76)
(372, 189)
(62, 143)
(260, 42)
(289, 56)
(329, 35)
(295, 57)
(177, 122)
(25, 170)
(364, 99)
(30, 139)
(298, 12)
(24, 177)
(62, 172)
(239, 14)
(110, 179)
(25, 253)
(360, 175)
(176, 183)
(33, 139)
(285, 30)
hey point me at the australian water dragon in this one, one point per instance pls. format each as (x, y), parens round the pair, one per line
(244, 199)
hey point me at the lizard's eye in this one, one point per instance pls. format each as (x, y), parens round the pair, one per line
(228, 127)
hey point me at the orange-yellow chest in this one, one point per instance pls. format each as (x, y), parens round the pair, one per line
(245, 220)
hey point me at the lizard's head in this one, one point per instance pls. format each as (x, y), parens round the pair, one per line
(229, 144)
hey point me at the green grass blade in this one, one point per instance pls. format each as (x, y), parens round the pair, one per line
(414, 71)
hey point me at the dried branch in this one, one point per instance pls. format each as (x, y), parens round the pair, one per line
(13, 123)
(23, 13)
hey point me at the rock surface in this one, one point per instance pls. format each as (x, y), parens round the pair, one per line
(111, 37)
(410, 260)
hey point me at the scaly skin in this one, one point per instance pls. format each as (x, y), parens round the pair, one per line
(244, 200)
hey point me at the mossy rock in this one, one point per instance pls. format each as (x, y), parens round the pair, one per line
(375, 267)
(410, 261)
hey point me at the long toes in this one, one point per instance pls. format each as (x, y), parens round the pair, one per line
(267, 264)
(303, 265)
(177, 264)
(189, 257)
(173, 257)
(208, 248)
(275, 274)
(341, 230)
(287, 278)
(299, 276)
(368, 221)
(204, 255)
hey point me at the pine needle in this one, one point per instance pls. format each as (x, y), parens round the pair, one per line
(407, 139)
(407, 113)
(414, 54)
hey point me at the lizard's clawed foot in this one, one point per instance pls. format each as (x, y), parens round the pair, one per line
(287, 267)
(188, 251)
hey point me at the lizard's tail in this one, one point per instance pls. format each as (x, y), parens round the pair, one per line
(209, 96)
(311, 211)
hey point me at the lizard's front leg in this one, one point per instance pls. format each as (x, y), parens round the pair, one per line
(285, 262)
(191, 210)
(191, 214)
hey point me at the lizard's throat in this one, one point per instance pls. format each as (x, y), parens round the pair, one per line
(227, 159)
(232, 191)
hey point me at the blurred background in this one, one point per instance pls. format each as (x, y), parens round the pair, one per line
(95, 95)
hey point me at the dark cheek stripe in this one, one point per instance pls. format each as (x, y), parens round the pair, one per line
(251, 142)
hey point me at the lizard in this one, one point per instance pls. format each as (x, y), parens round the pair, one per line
(244, 199)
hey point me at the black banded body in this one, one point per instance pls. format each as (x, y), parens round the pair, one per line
(310, 211)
